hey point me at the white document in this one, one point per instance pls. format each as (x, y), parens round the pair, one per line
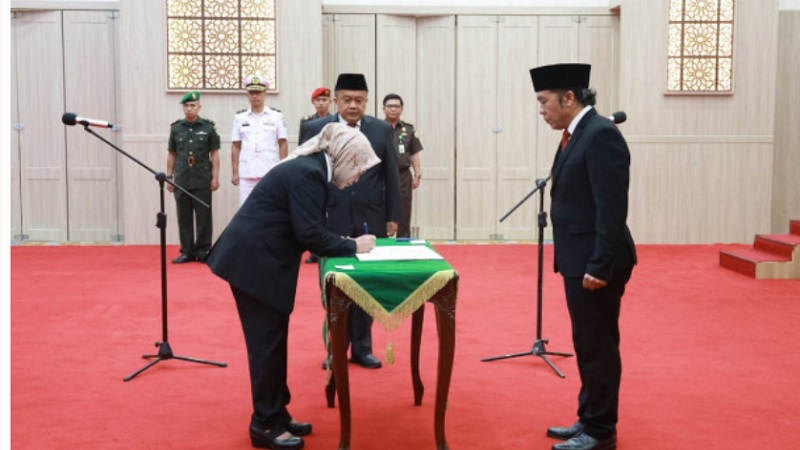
(399, 253)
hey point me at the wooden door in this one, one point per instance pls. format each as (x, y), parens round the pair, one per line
(14, 182)
(350, 48)
(435, 200)
(516, 117)
(40, 104)
(476, 127)
(90, 78)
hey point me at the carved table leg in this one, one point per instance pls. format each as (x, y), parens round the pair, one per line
(416, 339)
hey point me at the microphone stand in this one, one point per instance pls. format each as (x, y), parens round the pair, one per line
(538, 345)
(164, 349)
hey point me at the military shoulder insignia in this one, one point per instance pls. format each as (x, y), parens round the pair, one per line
(241, 111)
(173, 123)
(307, 118)
(275, 109)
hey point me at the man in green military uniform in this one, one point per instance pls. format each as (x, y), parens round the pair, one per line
(408, 146)
(193, 164)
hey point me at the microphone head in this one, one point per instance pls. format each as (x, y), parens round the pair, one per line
(620, 117)
(69, 118)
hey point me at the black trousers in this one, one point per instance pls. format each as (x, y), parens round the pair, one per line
(595, 334)
(359, 331)
(266, 333)
(190, 213)
(406, 196)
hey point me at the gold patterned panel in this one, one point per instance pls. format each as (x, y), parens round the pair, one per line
(185, 8)
(221, 72)
(213, 44)
(184, 36)
(262, 9)
(700, 46)
(221, 8)
(264, 65)
(221, 36)
(257, 36)
(185, 71)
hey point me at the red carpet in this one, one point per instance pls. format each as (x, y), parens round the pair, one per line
(710, 357)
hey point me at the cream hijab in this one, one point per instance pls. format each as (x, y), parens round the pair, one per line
(349, 150)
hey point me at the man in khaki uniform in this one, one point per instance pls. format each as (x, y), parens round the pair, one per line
(193, 164)
(408, 146)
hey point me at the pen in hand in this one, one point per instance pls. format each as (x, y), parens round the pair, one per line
(366, 228)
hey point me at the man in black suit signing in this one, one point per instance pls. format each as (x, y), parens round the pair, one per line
(594, 250)
(259, 255)
(370, 206)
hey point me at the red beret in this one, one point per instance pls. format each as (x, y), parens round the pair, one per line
(320, 91)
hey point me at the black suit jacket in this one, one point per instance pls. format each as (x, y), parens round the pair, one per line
(589, 207)
(261, 249)
(375, 198)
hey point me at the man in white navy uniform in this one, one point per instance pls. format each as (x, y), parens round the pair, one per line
(258, 138)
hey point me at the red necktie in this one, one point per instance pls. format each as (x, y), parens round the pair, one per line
(564, 140)
(353, 125)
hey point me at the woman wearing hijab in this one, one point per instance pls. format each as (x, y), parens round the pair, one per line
(259, 254)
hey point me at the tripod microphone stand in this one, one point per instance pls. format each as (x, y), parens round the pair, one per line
(538, 348)
(164, 349)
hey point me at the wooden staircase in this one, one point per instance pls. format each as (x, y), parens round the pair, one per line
(772, 255)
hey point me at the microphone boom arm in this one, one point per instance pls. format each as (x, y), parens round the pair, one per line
(540, 184)
(160, 176)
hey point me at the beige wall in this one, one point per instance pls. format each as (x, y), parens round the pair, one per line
(786, 165)
(147, 109)
(701, 165)
(704, 168)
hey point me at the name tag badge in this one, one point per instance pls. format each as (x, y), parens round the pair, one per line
(402, 148)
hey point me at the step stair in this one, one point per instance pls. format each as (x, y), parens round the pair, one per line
(772, 255)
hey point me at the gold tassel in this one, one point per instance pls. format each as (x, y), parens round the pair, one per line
(389, 352)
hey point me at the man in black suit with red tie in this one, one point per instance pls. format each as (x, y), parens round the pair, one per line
(371, 205)
(594, 250)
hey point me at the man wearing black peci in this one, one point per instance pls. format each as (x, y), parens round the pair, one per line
(594, 250)
(371, 204)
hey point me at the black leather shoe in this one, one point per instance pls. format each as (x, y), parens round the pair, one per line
(312, 259)
(184, 258)
(260, 438)
(585, 442)
(298, 428)
(368, 361)
(565, 433)
(327, 363)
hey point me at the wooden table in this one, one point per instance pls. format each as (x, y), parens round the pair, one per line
(337, 303)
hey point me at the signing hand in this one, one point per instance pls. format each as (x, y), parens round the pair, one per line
(365, 243)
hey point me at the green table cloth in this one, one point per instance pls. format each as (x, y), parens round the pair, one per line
(389, 291)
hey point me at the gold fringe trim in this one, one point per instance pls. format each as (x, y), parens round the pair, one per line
(391, 320)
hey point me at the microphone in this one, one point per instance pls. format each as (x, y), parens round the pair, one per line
(72, 119)
(618, 117)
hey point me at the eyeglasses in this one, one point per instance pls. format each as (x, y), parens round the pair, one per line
(392, 106)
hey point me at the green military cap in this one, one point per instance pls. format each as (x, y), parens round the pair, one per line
(191, 96)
